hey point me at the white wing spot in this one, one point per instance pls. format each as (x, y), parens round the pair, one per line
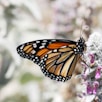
(43, 44)
(45, 59)
(53, 40)
(74, 49)
(49, 52)
(33, 51)
(44, 40)
(41, 47)
(45, 55)
(55, 50)
(37, 41)
(21, 47)
(34, 45)
(41, 60)
(33, 59)
(36, 57)
(63, 46)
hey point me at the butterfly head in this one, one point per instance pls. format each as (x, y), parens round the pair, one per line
(81, 46)
(81, 40)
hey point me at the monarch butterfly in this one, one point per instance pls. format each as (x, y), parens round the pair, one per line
(56, 58)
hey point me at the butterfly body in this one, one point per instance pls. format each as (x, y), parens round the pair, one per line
(56, 58)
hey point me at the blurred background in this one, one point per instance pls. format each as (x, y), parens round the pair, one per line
(25, 20)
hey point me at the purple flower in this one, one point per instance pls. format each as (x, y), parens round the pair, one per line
(98, 72)
(95, 87)
(92, 87)
(89, 88)
(92, 58)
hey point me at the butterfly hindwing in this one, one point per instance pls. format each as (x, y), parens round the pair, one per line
(56, 58)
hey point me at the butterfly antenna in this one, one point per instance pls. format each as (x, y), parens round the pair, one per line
(81, 31)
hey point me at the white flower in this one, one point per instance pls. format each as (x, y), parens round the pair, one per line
(95, 39)
(94, 42)
(94, 45)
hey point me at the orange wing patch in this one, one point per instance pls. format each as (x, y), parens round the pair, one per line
(53, 54)
(27, 49)
(67, 66)
(52, 59)
(57, 71)
(64, 56)
(42, 52)
(57, 45)
(72, 45)
(65, 49)
(52, 69)
(70, 72)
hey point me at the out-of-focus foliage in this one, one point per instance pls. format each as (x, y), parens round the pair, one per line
(6, 60)
(25, 20)
(26, 77)
(16, 98)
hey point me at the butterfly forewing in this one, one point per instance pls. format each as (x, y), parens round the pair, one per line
(56, 58)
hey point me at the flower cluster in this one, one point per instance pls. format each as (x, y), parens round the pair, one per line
(93, 65)
(68, 16)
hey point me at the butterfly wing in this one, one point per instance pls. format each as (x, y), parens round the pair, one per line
(56, 58)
